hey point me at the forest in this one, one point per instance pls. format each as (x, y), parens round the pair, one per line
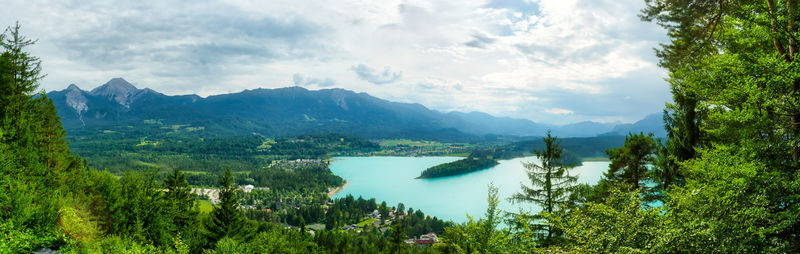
(462, 166)
(154, 144)
(726, 180)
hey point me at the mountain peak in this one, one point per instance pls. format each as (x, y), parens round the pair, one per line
(76, 100)
(73, 87)
(117, 89)
(116, 84)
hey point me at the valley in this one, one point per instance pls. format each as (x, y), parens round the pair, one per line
(289, 179)
(298, 170)
(403, 127)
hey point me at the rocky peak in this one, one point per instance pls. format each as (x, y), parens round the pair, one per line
(73, 87)
(75, 99)
(117, 89)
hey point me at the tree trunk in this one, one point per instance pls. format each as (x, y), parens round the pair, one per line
(775, 41)
(790, 6)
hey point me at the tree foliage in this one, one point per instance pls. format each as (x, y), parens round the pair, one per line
(629, 163)
(551, 183)
(462, 166)
(226, 220)
(483, 235)
(728, 172)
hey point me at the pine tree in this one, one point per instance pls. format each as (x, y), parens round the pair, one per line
(139, 210)
(384, 211)
(629, 162)
(551, 183)
(180, 200)
(50, 138)
(19, 75)
(226, 220)
(682, 120)
(398, 237)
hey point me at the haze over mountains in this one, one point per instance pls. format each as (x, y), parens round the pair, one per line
(296, 110)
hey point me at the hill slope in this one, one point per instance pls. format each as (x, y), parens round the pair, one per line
(288, 111)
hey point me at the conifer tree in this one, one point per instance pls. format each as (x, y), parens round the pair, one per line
(226, 220)
(629, 162)
(179, 199)
(398, 237)
(551, 183)
(19, 75)
(50, 138)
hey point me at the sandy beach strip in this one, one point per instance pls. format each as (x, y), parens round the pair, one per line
(337, 189)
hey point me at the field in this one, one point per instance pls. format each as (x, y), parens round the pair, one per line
(406, 142)
(405, 147)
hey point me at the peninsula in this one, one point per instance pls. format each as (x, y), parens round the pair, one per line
(463, 166)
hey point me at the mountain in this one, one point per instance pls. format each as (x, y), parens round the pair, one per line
(288, 111)
(651, 123)
(482, 123)
(119, 90)
(583, 129)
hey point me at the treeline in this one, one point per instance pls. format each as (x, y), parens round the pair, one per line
(349, 210)
(575, 149)
(303, 178)
(311, 178)
(416, 223)
(462, 166)
(317, 146)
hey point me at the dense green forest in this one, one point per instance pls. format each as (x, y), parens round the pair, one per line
(162, 146)
(462, 166)
(726, 180)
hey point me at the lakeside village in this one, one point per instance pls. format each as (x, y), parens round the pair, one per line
(263, 200)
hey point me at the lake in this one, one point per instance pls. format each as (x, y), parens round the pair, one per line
(391, 179)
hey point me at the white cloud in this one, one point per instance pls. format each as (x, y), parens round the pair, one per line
(300, 80)
(376, 77)
(510, 58)
(559, 111)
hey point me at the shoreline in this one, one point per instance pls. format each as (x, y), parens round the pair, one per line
(337, 189)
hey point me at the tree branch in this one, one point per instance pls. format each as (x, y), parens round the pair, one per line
(775, 41)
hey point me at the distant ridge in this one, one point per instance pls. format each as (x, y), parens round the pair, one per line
(651, 123)
(291, 111)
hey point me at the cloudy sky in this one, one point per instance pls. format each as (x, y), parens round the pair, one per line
(552, 61)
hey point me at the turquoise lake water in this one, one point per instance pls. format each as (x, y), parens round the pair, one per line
(391, 179)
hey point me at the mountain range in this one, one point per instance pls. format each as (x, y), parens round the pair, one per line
(296, 110)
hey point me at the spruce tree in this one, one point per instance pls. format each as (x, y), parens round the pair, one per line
(398, 237)
(179, 199)
(226, 220)
(50, 138)
(19, 75)
(551, 183)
